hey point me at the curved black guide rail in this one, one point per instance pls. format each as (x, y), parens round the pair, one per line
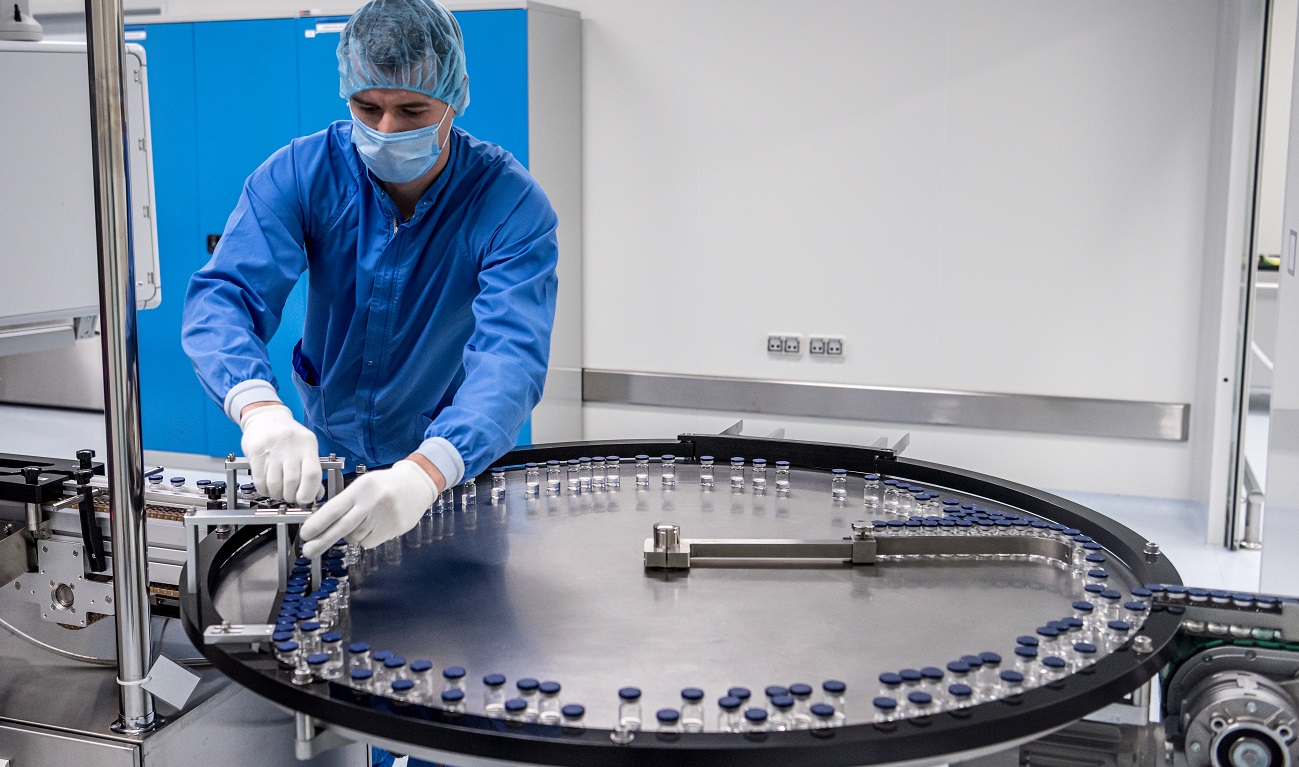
(981, 726)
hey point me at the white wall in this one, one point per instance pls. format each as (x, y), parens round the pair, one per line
(995, 196)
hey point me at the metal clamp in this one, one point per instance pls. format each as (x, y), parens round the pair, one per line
(667, 550)
(237, 633)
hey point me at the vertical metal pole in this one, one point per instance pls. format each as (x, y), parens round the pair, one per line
(105, 49)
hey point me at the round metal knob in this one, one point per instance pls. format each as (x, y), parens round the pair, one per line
(667, 536)
(84, 456)
(31, 474)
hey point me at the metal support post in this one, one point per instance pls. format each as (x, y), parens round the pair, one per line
(105, 50)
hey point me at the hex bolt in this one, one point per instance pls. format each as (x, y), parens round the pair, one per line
(1152, 549)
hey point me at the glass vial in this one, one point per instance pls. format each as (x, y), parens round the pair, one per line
(599, 474)
(839, 484)
(759, 474)
(669, 720)
(642, 471)
(729, 718)
(532, 479)
(737, 483)
(706, 471)
(669, 471)
(872, 495)
(692, 709)
(613, 473)
(782, 476)
(584, 475)
(453, 701)
(549, 707)
(574, 484)
(498, 484)
(494, 695)
(629, 712)
(552, 478)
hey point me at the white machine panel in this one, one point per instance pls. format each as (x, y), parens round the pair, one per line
(47, 214)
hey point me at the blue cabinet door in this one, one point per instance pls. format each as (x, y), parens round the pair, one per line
(172, 404)
(246, 85)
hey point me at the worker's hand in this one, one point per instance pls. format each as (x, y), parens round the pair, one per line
(282, 453)
(376, 507)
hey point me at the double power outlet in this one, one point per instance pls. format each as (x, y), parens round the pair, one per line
(817, 346)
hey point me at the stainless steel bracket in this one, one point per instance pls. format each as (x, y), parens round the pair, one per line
(237, 633)
(311, 738)
(667, 550)
(199, 521)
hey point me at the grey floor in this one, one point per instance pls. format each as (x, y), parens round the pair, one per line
(1178, 525)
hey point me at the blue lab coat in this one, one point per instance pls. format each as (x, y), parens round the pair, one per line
(431, 334)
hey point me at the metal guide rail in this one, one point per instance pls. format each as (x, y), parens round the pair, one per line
(743, 648)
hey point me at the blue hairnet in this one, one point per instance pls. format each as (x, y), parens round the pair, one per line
(412, 45)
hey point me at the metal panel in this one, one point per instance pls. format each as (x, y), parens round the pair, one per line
(23, 746)
(983, 410)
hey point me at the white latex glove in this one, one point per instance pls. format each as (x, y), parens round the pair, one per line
(283, 454)
(375, 508)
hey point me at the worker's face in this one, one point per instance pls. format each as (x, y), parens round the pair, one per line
(396, 111)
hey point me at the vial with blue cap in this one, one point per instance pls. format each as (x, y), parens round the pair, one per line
(498, 483)
(737, 473)
(612, 475)
(394, 668)
(599, 474)
(759, 475)
(931, 680)
(549, 706)
(755, 720)
(573, 715)
(494, 695)
(516, 710)
(361, 679)
(905, 499)
(729, 718)
(453, 677)
(528, 689)
(573, 482)
(453, 701)
(287, 653)
(782, 713)
(706, 478)
(1026, 662)
(871, 497)
(833, 693)
(358, 656)
(669, 720)
(1053, 667)
(552, 487)
(886, 708)
(960, 695)
(692, 709)
(1116, 634)
(839, 485)
(629, 711)
(331, 644)
(1011, 682)
(782, 477)
(584, 474)
(890, 499)
(802, 695)
(822, 716)
(1083, 655)
(890, 685)
(920, 703)
(669, 470)
(642, 471)
(421, 673)
(532, 479)
(402, 692)
(742, 693)
(309, 636)
(178, 485)
(911, 678)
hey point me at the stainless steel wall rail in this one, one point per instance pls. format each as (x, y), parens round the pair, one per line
(105, 48)
(981, 410)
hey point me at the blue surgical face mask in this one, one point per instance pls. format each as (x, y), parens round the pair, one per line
(398, 157)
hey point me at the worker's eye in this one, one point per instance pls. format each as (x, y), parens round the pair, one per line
(368, 109)
(414, 112)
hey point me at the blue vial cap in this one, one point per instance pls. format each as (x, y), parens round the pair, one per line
(665, 458)
(931, 673)
(759, 461)
(920, 698)
(692, 694)
(1047, 631)
(359, 674)
(1141, 593)
(1083, 538)
(1026, 652)
(453, 672)
(739, 692)
(177, 481)
(1058, 527)
(300, 561)
(910, 675)
(608, 459)
(527, 684)
(203, 482)
(420, 666)
(667, 715)
(785, 465)
(756, 715)
(288, 646)
(529, 465)
(331, 637)
(306, 616)
(737, 459)
(707, 458)
(1155, 587)
(1038, 524)
(877, 523)
(454, 695)
(516, 705)
(1058, 626)
(394, 661)
(1083, 606)
(884, 703)
(1097, 573)
(556, 463)
(1014, 677)
(1119, 626)
(800, 690)
(891, 679)
(834, 686)
(247, 487)
(574, 462)
(775, 690)
(1053, 662)
(642, 457)
(730, 703)
(573, 711)
(973, 661)
(629, 693)
(959, 690)
(310, 626)
(1134, 606)
(1071, 531)
(892, 482)
(1072, 623)
(783, 702)
(873, 477)
(990, 658)
(1086, 648)
(358, 647)
(958, 667)
(588, 460)
(281, 636)
(1091, 546)
(1093, 588)
(1111, 594)
(549, 687)
(1026, 641)
(494, 680)
(1095, 558)
(839, 471)
(821, 710)
(402, 685)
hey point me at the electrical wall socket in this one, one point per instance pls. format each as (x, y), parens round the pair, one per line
(816, 345)
(791, 345)
(828, 346)
(776, 344)
(834, 347)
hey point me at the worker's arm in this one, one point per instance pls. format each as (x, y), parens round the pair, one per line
(505, 359)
